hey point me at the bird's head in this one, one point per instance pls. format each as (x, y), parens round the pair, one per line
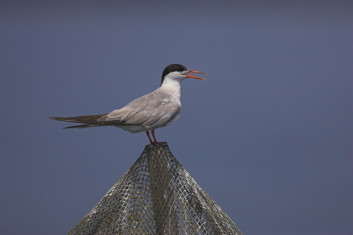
(178, 72)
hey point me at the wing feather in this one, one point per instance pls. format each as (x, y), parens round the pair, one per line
(153, 109)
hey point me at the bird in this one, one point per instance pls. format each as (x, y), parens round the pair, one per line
(156, 109)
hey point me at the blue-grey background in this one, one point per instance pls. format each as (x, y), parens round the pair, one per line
(269, 135)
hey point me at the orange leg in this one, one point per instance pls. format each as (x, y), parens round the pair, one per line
(149, 137)
(154, 137)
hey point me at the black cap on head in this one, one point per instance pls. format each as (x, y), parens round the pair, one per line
(172, 68)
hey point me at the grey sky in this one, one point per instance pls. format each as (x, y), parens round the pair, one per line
(269, 135)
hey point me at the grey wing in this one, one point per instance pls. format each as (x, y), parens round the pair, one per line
(154, 110)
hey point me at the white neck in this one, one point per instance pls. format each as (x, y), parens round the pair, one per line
(173, 86)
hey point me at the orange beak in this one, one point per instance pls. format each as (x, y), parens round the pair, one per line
(191, 76)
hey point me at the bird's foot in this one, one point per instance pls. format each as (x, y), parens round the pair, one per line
(159, 143)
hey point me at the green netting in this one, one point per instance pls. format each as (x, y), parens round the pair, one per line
(156, 196)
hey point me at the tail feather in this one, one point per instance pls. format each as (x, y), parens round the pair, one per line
(86, 121)
(82, 126)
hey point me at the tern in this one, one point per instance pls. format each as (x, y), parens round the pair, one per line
(146, 113)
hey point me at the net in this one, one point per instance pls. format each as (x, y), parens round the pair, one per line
(156, 196)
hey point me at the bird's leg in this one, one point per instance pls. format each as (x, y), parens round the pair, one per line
(149, 137)
(154, 137)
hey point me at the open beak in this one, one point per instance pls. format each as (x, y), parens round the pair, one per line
(192, 76)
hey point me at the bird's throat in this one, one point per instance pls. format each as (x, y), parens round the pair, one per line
(173, 87)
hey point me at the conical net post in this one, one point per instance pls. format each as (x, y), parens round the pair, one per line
(156, 196)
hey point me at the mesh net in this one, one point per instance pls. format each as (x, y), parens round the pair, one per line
(156, 196)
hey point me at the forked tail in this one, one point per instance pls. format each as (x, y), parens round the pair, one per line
(86, 121)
